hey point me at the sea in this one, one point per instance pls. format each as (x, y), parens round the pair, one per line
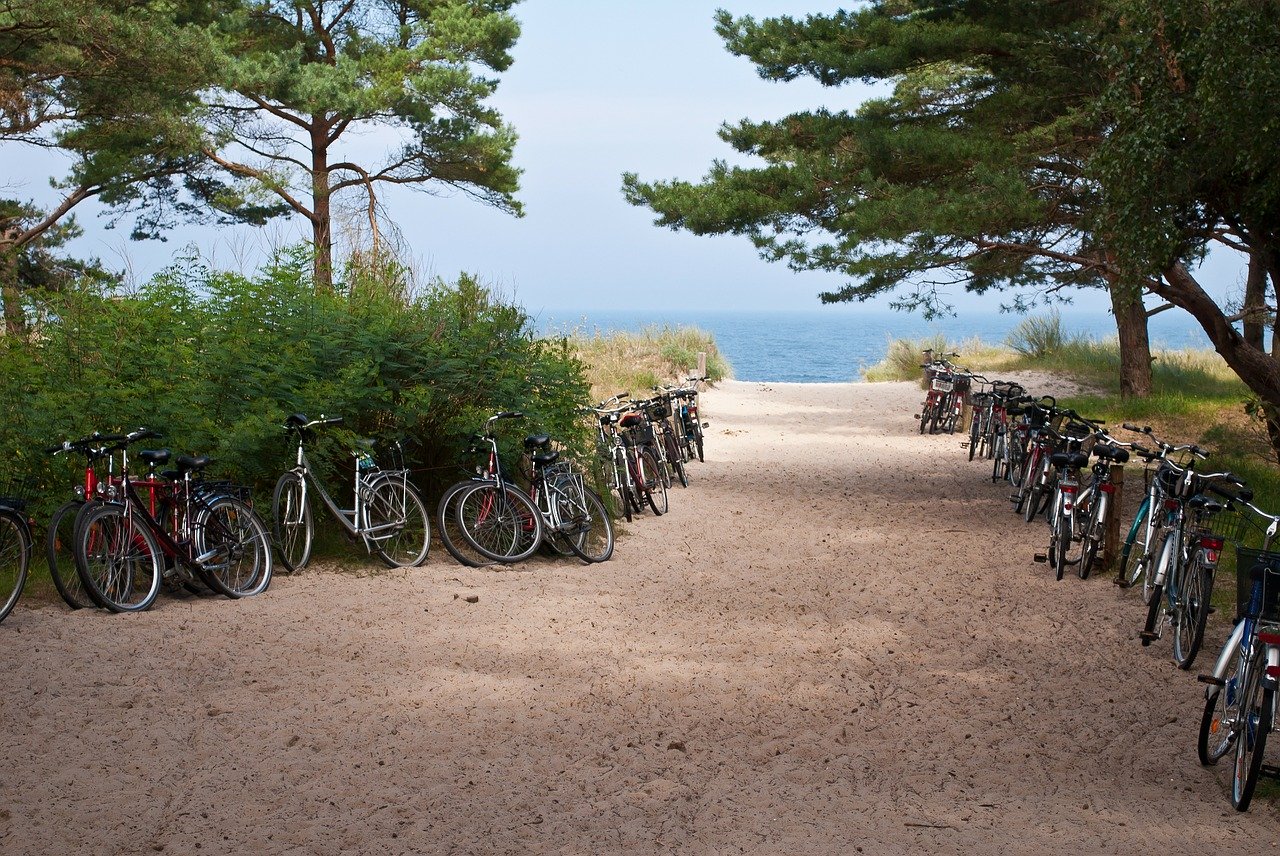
(836, 344)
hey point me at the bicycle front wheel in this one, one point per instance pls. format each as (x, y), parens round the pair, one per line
(234, 546)
(292, 527)
(1192, 612)
(1094, 533)
(15, 557)
(501, 524)
(451, 534)
(1257, 705)
(59, 550)
(1218, 723)
(398, 526)
(117, 557)
(1132, 564)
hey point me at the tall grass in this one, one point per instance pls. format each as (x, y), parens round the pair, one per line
(635, 362)
(904, 357)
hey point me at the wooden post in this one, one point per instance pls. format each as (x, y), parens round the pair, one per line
(1111, 540)
(702, 363)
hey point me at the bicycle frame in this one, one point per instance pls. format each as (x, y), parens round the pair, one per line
(355, 520)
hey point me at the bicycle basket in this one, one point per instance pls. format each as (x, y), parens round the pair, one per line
(1269, 565)
(1175, 483)
(980, 399)
(943, 383)
(15, 493)
(215, 488)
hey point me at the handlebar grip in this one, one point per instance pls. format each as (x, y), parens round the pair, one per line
(61, 447)
(331, 420)
(509, 414)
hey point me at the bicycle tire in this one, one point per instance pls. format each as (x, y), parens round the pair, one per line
(15, 559)
(1154, 609)
(622, 482)
(1221, 713)
(1131, 566)
(974, 434)
(697, 441)
(229, 527)
(117, 557)
(501, 524)
(292, 526)
(673, 458)
(60, 554)
(591, 537)
(451, 535)
(1094, 535)
(925, 413)
(1257, 708)
(651, 471)
(1193, 613)
(392, 502)
(1058, 540)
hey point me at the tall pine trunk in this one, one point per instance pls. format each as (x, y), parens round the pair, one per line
(321, 210)
(1135, 345)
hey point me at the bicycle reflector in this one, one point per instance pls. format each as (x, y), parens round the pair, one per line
(1107, 487)
(1269, 638)
(1212, 545)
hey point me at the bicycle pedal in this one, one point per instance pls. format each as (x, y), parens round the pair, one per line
(1040, 557)
(207, 556)
(1210, 679)
(1147, 637)
(1123, 583)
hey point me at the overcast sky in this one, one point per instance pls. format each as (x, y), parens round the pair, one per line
(625, 86)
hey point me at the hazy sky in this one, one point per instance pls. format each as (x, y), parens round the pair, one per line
(626, 86)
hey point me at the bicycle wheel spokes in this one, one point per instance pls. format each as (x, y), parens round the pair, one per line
(1219, 723)
(292, 523)
(398, 524)
(235, 541)
(1256, 708)
(502, 524)
(118, 559)
(15, 555)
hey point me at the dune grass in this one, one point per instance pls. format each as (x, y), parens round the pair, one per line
(635, 362)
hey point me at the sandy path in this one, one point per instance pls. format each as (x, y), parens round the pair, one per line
(834, 643)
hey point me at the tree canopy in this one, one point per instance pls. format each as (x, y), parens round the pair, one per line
(297, 78)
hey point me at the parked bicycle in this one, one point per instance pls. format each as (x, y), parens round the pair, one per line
(15, 546)
(387, 515)
(182, 528)
(1240, 696)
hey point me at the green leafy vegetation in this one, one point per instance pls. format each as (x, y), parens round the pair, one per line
(217, 360)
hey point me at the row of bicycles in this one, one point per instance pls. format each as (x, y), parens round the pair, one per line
(140, 520)
(1069, 469)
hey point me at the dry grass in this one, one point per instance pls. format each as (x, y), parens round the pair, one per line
(636, 362)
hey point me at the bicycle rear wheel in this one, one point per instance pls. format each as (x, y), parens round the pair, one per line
(15, 558)
(650, 473)
(238, 550)
(1093, 534)
(397, 520)
(591, 533)
(500, 523)
(1192, 613)
(117, 557)
(673, 458)
(60, 553)
(292, 526)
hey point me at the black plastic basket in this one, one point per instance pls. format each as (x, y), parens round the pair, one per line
(1250, 564)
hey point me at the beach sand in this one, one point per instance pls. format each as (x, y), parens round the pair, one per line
(835, 642)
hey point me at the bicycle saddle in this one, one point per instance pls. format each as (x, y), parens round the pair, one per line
(1069, 459)
(1111, 453)
(155, 457)
(186, 463)
(543, 459)
(630, 419)
(536, 441)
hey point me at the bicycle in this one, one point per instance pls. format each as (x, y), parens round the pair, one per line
(574, 518)
(1240, 696)
(60, 539)
(184, 530)
(1133, 566)
(1093, 504)
(387, 514)
(643, 457)
(15, 546)
(493, 516)
(689, 424)
(1188, 560)
(660, 412)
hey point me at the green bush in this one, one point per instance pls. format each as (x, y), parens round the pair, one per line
(216, 361)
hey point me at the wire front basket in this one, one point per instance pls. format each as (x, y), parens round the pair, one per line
(15, 493)
(1253, 565)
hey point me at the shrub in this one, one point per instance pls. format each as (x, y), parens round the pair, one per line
(1038, 336)
(217, 360)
